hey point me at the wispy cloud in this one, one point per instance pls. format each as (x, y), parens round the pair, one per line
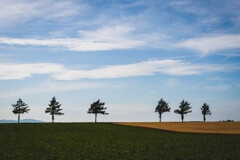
(154, 31)
(172, 82)
(229, 55)
(106, 38)
(15, 11)
(216, 78)
(122, 37)
(21, 71)
(145, 68)
(220, 87)
(208, 45)
(128, 108)
(53, 87)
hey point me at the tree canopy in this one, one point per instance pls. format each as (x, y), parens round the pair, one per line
(184, 108)
(161, 108)
(20, 108)
(97, 108)
(54, 108)
(205, 111)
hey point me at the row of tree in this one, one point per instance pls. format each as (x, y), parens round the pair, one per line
(184, 108)
(54, 108)
(98, 108)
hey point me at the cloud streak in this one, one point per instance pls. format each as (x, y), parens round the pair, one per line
(53, 87)
(21, 71)
(208, 45)
(122, 37)
(21, 11)
(220, 87)
(106, 38)
(145, 68)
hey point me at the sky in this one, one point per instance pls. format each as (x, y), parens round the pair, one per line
(128, 53)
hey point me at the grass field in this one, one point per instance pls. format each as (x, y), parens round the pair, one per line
(105, 141)
(192, 127)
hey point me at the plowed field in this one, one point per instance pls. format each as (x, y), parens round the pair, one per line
(193, 127)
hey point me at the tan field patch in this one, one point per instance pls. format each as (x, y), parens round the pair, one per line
(193, 127)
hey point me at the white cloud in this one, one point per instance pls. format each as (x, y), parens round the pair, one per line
(145, 68)
(53, 87)
(15, 11)
(126, 108)
(21, 71)
(229, 55)
(5, 55)
(107, 33)
(216, 78)
(106, 38)
(172, 82)
(220, 87)
(238, 85)
(208, 45)
(152, 92)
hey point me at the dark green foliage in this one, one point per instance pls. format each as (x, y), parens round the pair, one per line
(97, 108)
(205, 111)
(161, 108)
(99, 141)
(20, 108)
(184, 108)
(54, 108)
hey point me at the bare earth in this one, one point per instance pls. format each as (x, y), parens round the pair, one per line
(193, 127)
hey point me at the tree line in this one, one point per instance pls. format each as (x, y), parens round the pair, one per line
(54, 108)
(184, 108)
(98, 108)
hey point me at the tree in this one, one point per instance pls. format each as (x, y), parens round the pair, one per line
(54, 108)
(184, 108)
(20, 108)
(205, 111)
(161, 108)
(97, 108)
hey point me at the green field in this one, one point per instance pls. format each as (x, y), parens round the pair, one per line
(109, 141)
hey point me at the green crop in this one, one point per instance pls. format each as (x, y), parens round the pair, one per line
(103, 141)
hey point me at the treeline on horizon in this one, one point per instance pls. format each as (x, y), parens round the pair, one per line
(98, 108)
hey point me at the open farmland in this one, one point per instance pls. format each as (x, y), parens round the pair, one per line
(192, 127)
(110, 141)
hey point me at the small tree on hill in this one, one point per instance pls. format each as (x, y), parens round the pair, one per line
(205, 111)
(54, 108)
(161, 108)
(20, 108)
(184, 108)
(97, 108)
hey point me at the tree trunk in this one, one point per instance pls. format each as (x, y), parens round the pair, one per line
(18, 117)
(160, 117)
(182, 117)
(204, 118)
(95, 118)
(52, 118)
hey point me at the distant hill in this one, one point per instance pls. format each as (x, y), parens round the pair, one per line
(21, 121)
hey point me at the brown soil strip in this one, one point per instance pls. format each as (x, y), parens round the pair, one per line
(193, 127)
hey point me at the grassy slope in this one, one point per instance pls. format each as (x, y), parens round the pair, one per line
(109, 141)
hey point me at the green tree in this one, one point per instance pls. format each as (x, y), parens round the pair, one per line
(205, 111)
(20, 108)
(161, 108)
(97, 108)
(54, 108)
(184, 108)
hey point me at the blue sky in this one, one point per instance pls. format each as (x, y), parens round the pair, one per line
(127, 53)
